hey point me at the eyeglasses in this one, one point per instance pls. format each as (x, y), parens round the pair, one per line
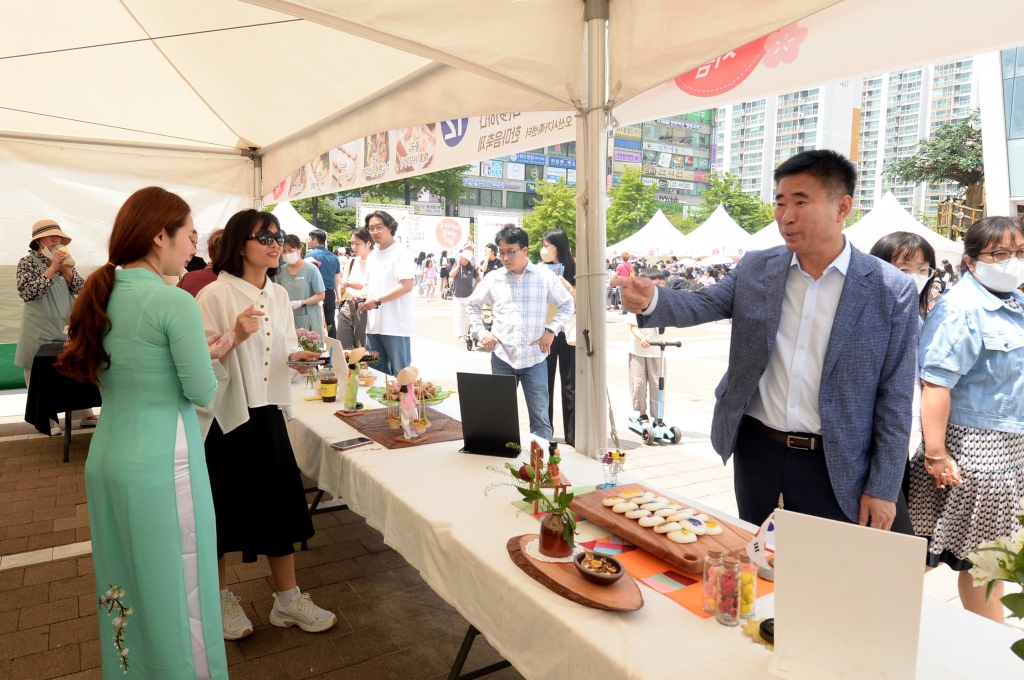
(923, 271)
(1004, 255)
(267, 237)
(508, 254)
(376, 227)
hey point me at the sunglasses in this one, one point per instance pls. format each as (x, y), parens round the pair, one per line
(267, 237)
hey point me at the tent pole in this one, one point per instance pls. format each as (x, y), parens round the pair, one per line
(257, 178)
(591, 357)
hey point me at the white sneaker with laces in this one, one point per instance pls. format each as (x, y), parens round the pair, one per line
(55, 430)
(303, 613)
(235, 623)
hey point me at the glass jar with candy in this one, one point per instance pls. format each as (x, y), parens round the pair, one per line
(728, 592)
(748, 585)
(710, 582)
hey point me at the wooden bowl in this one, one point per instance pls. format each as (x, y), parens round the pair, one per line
(599, 579)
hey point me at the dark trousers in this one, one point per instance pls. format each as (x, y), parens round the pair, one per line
(332, 320)
(764, 468)
(564, 355)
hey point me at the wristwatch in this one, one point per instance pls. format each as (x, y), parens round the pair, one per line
(377, 303)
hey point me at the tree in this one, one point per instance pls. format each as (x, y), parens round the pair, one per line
(853, 218)
(446, 184)
(750, 212)
(632, 205)
(952, 154)
(683, 223)
(556, 209)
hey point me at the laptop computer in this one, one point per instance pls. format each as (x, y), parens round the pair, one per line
(490, 414)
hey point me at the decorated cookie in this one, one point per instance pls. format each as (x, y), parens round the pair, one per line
(681, 516)
(695, 525)
(662, 499)
(630, 495)
(668, 527)
(668, 511)
(650, 521)
(624, 507)
(701, 516)
(637, 514)
(681, 536)
(612, 501)
(654, 506)
(645, 498)
(714, 528)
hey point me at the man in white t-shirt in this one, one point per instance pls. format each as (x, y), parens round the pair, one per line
(390, 271)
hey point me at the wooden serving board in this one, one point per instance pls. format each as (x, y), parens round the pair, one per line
(688, 557)
(563, 579)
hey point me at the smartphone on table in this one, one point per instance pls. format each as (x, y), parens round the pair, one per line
(351, 443)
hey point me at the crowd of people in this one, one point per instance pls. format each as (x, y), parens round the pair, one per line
(837, 357)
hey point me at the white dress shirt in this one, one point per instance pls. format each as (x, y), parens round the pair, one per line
(787, 394)
(256, 373)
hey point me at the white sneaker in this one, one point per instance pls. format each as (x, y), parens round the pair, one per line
(55, 430)
(303, 613)
(235, 623)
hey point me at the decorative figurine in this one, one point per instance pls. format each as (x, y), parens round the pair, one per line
(407, 401)
(352, 383)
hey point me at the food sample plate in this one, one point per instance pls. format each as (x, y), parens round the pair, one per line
(688, 557)
(563, 579)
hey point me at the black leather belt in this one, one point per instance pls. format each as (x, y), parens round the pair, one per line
(803, 442)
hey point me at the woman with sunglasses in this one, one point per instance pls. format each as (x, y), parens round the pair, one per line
(257, 488)
(967, 478)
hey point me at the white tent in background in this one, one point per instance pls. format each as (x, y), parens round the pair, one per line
(768, 237)
(719, 235)
(889, 216)
(291, 221)
(657, 237)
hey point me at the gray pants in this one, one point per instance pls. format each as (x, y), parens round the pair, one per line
(643, 378)
(351, 325)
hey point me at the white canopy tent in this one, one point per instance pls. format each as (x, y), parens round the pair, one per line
(291, 221)
(889, 216)
(768, 237)
(228, 96)
(657, 237)
(719, 235)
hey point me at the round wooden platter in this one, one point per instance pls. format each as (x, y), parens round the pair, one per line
(563, 579)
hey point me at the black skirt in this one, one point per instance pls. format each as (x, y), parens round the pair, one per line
(257, 487)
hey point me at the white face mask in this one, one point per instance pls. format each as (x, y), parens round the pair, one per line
(920, 281)
(291, 258)
(1001, 277)
(46, 252)
(547, 254)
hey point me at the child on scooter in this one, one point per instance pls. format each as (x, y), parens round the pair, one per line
(644, 360)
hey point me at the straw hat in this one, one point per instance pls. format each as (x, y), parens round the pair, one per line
(48, 228)
(356, 355)
(408, 375)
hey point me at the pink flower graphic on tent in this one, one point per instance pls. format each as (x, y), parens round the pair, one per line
(783, 46)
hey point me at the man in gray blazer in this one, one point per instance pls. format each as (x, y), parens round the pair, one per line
(816, 403)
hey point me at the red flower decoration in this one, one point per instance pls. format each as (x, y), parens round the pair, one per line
(783, 46)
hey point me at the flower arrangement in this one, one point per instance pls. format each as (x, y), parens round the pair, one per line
(114, 598)
(1003, 560)
(310, 341)
(531, 478)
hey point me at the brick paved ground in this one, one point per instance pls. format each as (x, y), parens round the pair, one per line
(390, 623)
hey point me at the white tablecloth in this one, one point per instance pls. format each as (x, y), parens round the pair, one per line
(429, 504)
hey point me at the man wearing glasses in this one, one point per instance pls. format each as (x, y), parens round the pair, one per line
(390, 271)
(520, 340)
(330, 271)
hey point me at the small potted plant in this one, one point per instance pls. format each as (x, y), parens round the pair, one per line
(558, 529)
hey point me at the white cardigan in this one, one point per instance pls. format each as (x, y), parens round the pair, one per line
(256, 373)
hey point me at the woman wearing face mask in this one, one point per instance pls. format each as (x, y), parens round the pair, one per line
(47, 281)
(968, 475)
(915, 257)
(352, 322)
(305, 286)
(259, 502)
(555, 253)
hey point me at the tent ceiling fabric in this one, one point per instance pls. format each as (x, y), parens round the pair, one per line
(225, 74)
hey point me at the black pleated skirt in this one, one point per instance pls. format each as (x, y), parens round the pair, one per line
(257, 487)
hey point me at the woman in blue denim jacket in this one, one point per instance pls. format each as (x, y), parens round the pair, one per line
(967, 478)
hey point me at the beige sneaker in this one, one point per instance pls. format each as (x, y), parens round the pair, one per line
(235, 623)
(303, 613)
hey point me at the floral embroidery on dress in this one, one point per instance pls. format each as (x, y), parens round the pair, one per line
(114, 598)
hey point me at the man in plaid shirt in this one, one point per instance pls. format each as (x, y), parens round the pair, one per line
(521, 296)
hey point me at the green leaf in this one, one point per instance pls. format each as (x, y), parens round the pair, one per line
(1015, 603)
(569, 535)
(989, 588)
(1018, 648)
